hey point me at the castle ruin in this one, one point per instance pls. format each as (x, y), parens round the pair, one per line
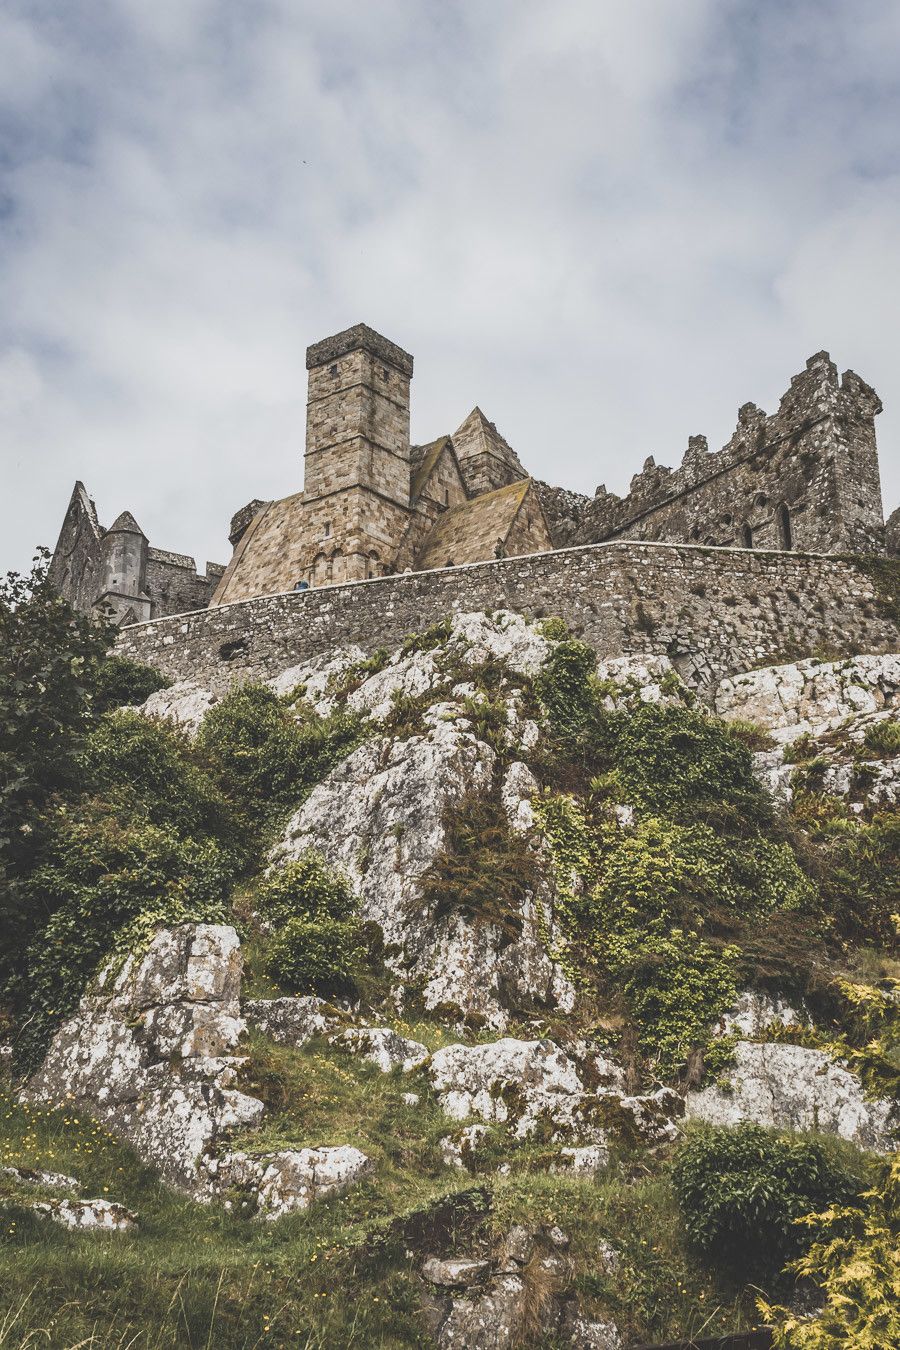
(804, 479)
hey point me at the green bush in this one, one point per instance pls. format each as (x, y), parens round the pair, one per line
(566, 692)
(855, 1262)
(304, 888)
(740, 1191)
(151, 768)
(267, 758)
(316, 955)
(120, 682)
(676, 987)
(674, 760)
(100, 873)
(883, 738)
(856, 863)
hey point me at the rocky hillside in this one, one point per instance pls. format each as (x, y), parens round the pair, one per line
(476, 994)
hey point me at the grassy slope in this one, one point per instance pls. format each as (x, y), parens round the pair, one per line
(340, 1274)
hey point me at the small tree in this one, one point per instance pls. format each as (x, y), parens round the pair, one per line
(49, 657)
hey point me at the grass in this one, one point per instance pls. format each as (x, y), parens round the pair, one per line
(345, 1272)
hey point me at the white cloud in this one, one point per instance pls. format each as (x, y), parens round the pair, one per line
(607, 224)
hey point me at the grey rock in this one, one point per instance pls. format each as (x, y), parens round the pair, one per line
(290, 1179)
(461, 1148)
(51, 1181)
(795, 1088)
(93, 1215)
(292, 1021)
(150, 1052)
(384, 1048)
(454, 1274)
(588, 1160)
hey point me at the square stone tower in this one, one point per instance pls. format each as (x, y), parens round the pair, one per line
(356, 495)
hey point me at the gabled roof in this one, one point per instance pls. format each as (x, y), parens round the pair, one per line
(424, 460)
(471, 531)
(478, 436)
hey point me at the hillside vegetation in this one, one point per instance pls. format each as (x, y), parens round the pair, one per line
(484, 837)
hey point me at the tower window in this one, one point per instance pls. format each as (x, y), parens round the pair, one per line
(326, 533)
(746, 536)
(332, 370)
(385, 374)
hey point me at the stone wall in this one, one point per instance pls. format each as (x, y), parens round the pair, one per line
(713, 611)
(805, 477)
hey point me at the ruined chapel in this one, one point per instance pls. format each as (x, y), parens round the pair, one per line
(803, 478)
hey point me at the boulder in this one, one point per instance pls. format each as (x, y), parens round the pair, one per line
(790, 1087)
(461, 1148)
(291, 1179)
(382, 1047)
(183, 703)
(150, 1052)
(50, 1181)
(379, 817)
(92, 1215)
(533, 1087)
(292, 1021)
(454, 1274)
(810, 697)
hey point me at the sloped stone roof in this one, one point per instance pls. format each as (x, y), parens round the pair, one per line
(477, 435)
(471, 531)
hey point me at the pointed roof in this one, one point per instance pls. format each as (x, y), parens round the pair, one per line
(424, 459)
(471, 531)
(125, 524)
(477, 435)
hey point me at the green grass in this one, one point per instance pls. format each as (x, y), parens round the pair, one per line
(345, 1272)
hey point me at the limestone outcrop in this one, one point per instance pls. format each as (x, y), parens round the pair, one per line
(151, 1052)
(380, 817)
(810, 697)
(790, 1087)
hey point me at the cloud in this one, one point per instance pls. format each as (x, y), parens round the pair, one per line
(609, 225)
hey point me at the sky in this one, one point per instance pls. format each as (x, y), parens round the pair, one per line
(608, 224)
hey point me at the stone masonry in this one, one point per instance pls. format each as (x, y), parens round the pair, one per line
(712, 611)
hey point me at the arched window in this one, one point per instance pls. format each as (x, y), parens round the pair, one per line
(746, 536)
(336, 566)
(373, 565)
(783, 521)
(319, 574)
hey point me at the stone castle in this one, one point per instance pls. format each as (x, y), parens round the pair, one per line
(804, 478)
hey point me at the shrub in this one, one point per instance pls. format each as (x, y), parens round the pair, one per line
(855, 1261)
(306, 887)
(316, 955)
(674, 760)
(151, 768)
(883, 738)
(856, 863)
(484, 869)
(565, 690)
(120, 682)
(676, 987)
(741, 1189)
(48, 660)
(100, 872)
(266, 758)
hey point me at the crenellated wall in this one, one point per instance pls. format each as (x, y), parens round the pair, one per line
(804, 478)
(713, 611)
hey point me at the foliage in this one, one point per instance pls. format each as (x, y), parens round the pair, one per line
(316, 956)
(304, 887)
(49, 656)
(565, 690)
(429, 638)
(484, 869)
(150, 768)
(120, 682)
(554, 629)
(741, 1188)
(883, 738)
(855, 863)
(855, 1261)
(267, 759)
(316, 939)
(674, 759)
(100, 871)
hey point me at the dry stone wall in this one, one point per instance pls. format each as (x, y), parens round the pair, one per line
(712, 611)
